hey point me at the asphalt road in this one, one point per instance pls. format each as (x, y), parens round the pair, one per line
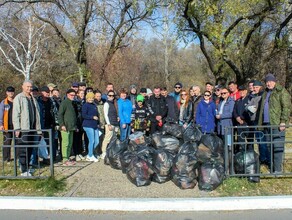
(87, 215)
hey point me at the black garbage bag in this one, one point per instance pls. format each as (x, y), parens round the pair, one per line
(172, 129)
(211, 175)
(192, 133)
(139, 172)
(162, 163)
(126, 159)
(213, 142)
(157, 140)
(171, 144)
(247, 162)
(114, 152)
(184, 167)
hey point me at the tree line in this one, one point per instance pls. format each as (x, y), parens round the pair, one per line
(101, 41)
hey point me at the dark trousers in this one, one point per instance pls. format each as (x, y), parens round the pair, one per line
(24, 153)
(277, 147)
(54, 146)
(154, 127)
(7, 139)
(77, 142)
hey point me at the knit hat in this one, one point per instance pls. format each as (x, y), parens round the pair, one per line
(270, 77)
(149, 91)
(178, 84)
(240, 88)
(257, 83)
(52, 85)
(143, 90)
(140, 98)
(90, 95)
(133, 87)
(10, 89)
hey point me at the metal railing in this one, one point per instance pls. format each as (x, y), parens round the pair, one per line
(11, 169)
(243, 140)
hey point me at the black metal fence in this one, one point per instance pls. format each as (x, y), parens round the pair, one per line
(258, 151)
(34, 146)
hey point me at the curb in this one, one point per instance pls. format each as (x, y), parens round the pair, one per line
(147, 204)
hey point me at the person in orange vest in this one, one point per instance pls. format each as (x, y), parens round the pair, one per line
(6, 121)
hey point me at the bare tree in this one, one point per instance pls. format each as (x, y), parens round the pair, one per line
(22, 53)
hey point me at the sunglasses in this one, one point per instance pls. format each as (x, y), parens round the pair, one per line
(111, 95)
(207, 95)
(177, 87)
(224, 93)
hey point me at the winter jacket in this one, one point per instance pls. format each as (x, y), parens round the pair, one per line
(187, 114)
(157, 106)
(254, 100)
(99, 105)
(67, 115)
(241, 111)
(4, 113)
(205, 116)
(173, 112)
(125, 110)
(20, 113)
(176, 97)
(195, 100)
(89, 110)
(279, 106)
(226, 116)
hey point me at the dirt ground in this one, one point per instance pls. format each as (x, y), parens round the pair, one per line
(101, 181)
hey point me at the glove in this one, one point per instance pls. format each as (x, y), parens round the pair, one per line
(252, 109)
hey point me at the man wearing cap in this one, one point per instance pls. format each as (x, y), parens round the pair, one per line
(48, 118)
(176, 93)
(25, 117)
(241, 117)
(75, 86)
(67, 121)
(275, 110)
(6, 121)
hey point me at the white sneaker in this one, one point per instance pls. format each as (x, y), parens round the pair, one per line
(79, 157)
(26, 174)
(92, 159)
(102, 156)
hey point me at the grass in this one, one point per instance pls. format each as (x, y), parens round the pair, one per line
(40, 187)
(266, 187)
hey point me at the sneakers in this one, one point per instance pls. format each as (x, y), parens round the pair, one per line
(25, 174)
(79, 157)
(102, 156)
(69, 163)
(92, 159)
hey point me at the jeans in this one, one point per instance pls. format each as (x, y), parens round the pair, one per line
(125, 132)
(93, 137)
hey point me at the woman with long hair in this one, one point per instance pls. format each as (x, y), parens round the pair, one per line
(186, 108)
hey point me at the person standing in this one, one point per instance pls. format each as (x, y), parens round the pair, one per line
(241, 116)
(68, 124)
(158, 109)
(6, 107)
(172, 110)
(111, 120)
(234, 93)
(176, 93)
(90, 125)
(196, 98)
(206, 112)
(224, 115)
(124, 112)
(25, 117)
(186, 109)
(275, 110)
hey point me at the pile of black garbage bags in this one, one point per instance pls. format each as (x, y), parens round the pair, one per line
(183, 155)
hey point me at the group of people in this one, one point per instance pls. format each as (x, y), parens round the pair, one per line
(86, 115)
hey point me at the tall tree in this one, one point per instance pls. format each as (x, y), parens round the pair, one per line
(228, 26)
(20, 45)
